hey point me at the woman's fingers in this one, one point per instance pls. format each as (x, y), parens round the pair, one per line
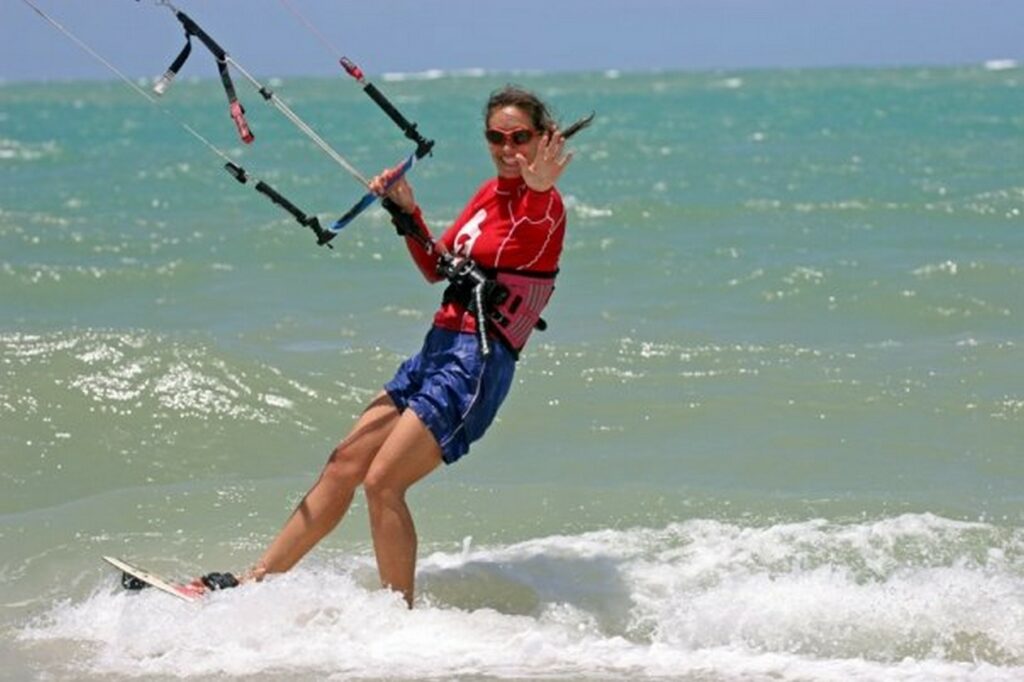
(388, 183)
(548, 163)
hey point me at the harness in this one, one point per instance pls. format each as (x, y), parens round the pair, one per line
(511, 301)
(506, 302)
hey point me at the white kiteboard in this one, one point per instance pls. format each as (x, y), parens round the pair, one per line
(190, 593)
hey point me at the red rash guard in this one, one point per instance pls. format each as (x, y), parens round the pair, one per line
(505, 226)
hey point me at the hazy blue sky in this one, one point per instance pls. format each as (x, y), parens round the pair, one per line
(550, 35)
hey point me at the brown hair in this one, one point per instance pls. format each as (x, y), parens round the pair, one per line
(535, 108)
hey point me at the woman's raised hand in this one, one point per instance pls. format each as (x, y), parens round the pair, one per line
(548, 164)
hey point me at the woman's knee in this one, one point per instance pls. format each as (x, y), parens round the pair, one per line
(380, 488)
(409, 454)
(346, 467)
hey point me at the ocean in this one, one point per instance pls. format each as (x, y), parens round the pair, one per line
(775, 430)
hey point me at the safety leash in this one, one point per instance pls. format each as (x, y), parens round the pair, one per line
(324, 235)
(235, 108)
(224, 60)
(236, 171)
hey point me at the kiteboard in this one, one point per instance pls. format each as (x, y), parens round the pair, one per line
(134, 577)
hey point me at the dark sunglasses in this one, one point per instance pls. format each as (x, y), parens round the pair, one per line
(516, 138)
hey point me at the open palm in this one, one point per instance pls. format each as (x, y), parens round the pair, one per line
(548, 163)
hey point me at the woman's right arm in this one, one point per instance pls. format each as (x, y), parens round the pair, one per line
(401, 194)
(425, 259)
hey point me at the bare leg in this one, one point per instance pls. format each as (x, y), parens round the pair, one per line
(409, 453)
(327, 501)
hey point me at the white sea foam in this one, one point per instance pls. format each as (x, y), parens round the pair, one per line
(14, 150)
(121, 372)
(429, 74)
(585, 211)
(728, 83)
(1001, 64)
(913, 597)
(949, 267)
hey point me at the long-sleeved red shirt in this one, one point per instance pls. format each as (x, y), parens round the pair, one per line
(505, 226)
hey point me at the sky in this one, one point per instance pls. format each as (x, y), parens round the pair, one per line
(141, 38)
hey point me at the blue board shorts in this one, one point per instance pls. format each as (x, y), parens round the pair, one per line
(452, 388)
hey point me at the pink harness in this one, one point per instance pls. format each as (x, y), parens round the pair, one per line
(518, 314)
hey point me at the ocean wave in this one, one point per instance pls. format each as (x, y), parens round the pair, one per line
(910, 597)
(1001, 64)
(585, 211)
(433, 74)
(125, 372)
(728, 83)
(14, 150)
(947, 267)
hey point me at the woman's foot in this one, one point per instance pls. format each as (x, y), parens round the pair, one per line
(212, 582)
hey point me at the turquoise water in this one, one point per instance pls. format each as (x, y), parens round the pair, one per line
(773, 432)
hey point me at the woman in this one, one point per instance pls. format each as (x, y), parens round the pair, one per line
(446, 396)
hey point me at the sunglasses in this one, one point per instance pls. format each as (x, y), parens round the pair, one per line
(515, 138)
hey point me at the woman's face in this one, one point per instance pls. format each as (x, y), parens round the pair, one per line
(513, 133)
